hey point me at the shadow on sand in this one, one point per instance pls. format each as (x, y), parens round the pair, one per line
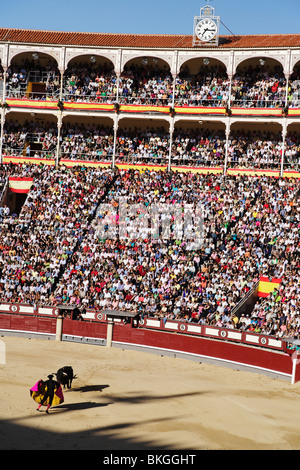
(90, 388)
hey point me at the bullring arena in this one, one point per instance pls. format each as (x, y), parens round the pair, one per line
(127, 400)
(124, 400)
(150, 239)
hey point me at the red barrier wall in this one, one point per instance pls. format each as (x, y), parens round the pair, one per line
(232, 352)
(87, 329)
(26, 323)
(237, 353)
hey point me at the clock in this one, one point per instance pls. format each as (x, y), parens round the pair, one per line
(206, 30)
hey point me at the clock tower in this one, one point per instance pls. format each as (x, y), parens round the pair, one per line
(206, 28)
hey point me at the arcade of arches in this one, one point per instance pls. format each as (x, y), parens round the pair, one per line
(201, 117)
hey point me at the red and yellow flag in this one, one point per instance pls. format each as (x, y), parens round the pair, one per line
(20, 185)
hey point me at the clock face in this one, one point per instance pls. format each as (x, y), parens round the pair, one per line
(206, 30)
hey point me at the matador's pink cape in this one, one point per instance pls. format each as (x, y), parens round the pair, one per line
(39, 389)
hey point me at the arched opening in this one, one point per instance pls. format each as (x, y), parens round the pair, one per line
(143, 142)
(146, 80)
(33, 75)
(259, 82)
(87, 138)
(294, 87)
(198, 144)
(258, 146)
(30, 135)
(90, 78)
(202, 82)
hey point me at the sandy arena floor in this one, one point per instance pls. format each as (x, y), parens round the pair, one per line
(124, 400)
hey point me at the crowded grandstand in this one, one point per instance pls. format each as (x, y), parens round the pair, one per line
(87, 133)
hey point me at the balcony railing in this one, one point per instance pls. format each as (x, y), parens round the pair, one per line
(150, 158)
(21, 93)
(38, 76)
(74, 97)
(93, 156)
(200, 102)
(37, 154)
(258, 103)
(50, 99)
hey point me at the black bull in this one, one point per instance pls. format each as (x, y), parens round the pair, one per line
(65, 376)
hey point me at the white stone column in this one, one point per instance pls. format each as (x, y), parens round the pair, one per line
(287, 77)
(61, 85)
(174, 88)
(170, 143)
(109, 333)
(229, 92)
(227, 132)
(59, 125)
(284, 132)
(118, 85)
(4, 84)
(62, 69)
(59, 328)
(116, 125)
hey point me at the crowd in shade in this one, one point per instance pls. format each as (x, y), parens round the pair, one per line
(258, 88)
(151, 83)
(148, 145)
(144, 85)
(87, 82)
(255, 149)
(292, 151)
(208, 87)
(30, 139)
(87, 142)
(294, 89)
(201, 147)
(18, 77)
(246, 149)
(75, 242)
(198, 147)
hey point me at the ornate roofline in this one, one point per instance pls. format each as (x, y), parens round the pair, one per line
(144, 41)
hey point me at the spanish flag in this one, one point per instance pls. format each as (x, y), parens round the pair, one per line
(266, 286)
(20, 185)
